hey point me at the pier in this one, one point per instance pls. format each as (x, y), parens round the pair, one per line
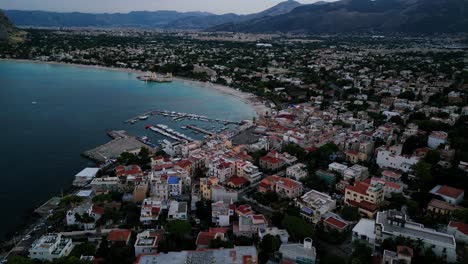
(167, 132)
(176, 116)
(201, 130)
(120, 143)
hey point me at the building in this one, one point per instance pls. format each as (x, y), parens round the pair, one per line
(356, 172)
(204, 238)
(403, 255)
(140, 192)
(334, 222)
(274, 231)
(289, 188)
(150, 210)
(284, 187)
(221, 169)
(298, 253)
(174, 185)
(389, 187)
(328, 177)
(364, 231)
(440, 208)
(250, 224)
(459, 230)
(236, 255)
(51, 246)
(364, 195)
(313, 205)
(219, 193)
(391, 176)
(297, 171)
(85, 176)
(221, 213)
(271, 163)
(84, 216)
(119, 236)
(131, 170)
(392, 158)
(105, 184)
(177, 211)
(391, 224)
(147, 242)
(436, 138)
(449, 194)
(337, 167)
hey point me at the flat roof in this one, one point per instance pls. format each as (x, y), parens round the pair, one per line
(87, 172)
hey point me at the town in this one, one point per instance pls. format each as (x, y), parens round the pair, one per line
(361, 156)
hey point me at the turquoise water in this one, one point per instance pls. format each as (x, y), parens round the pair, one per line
(75, 106)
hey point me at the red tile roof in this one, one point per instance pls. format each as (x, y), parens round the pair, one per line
(204, 237)
(449, 191)
(359, 187)
(336, 222)
(120, 235)
(460, 226)
(288, 183)
(237, 181)
(441, 205)
(270, 159)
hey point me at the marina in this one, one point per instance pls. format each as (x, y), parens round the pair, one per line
(177, 116)
(170, 133)
(201, 130)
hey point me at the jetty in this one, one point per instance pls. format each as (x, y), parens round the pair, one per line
(121, 142)
(177, 116)
(170, 133)
(201, 130)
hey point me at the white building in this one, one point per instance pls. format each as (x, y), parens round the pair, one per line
(305, 252)
(392, 158)
(335, 166)
(86, 215)
(220, 213)
(85, 176)
(297, 171)
(449, 194)
(391, 224)
(147, 242)
(389, 187)
(313, 205)
(356, 172)
(364, 231)
(177, 211)
(274, 231)
(50, 247)
(459, 230)
(437, 138)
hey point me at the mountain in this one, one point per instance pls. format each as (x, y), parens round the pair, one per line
(410, 16)
(140, 19)
(8, 32)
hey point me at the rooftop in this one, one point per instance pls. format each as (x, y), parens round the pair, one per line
(411, 229)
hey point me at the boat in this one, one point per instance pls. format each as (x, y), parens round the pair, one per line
(183, 127)
(143, 117)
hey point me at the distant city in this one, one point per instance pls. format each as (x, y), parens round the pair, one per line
(306, 133)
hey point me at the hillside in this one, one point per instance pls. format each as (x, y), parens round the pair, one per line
(411, 16)
(140, 19)
(8, 32)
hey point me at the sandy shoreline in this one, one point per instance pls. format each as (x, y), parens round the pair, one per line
(254, 101)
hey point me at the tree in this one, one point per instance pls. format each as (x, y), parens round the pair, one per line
(361, 253)
(422, 171)
(270, 244)
(220, 243)
(350, 213)
(297, 228)
(178, 228)
(70, 200)
(432, 156)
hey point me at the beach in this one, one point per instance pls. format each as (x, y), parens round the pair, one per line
(254, 101)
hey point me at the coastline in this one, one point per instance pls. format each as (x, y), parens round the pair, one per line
(254, 101)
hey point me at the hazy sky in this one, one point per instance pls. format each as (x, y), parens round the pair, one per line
(98, 6)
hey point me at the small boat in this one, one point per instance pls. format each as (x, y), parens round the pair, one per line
(183, 127)
(144, 117)
(34, 102)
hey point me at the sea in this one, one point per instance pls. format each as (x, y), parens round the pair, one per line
(50, 114)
